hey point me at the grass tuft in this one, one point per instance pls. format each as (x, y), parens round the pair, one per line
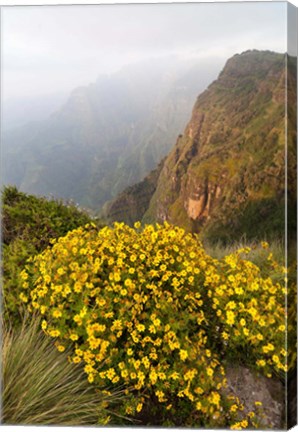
(41, 387)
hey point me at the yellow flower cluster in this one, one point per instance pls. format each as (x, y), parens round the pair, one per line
(148, 308)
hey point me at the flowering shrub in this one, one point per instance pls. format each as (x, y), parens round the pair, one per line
(150, 310)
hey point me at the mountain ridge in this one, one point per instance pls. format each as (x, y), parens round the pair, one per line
(107, 136)
(225, 175)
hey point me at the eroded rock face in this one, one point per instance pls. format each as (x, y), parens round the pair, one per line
(225, 175)
(250, 387)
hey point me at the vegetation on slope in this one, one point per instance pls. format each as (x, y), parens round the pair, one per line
(28, 225)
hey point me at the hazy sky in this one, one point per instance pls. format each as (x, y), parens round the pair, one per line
(56, 48)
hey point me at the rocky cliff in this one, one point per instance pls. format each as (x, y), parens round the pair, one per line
(225, 176)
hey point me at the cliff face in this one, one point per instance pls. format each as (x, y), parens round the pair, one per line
(133, 202)
(226, 174)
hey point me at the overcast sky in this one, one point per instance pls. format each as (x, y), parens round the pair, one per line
(56, 48)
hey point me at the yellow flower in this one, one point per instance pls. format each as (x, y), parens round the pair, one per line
(57, 313)
(246, 331)
(152, 329)
(153, 376)
(133, 258)
(236, 426)
(24, 298)
(162, 376)
(78, 320)
(161, 396)
(230, 317)
(140, 327)
(54, 333)
(234, 408)
(90, 378)
(60, 271)
(264, 245)
(175, 375)
(199, 390)
(244, 423)
(210, 371)
(268, 348)
(111, 373)
(139, 407)
(77, 287)
(183, 354)
(214, 398)
(198, 406)
(156, 322)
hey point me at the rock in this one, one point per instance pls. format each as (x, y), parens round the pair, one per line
(250, 387)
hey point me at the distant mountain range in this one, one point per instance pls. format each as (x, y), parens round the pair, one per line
(108, 135)
(18, 112)
(225, 177)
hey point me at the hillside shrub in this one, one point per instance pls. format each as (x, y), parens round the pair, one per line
(149, 309)
(28, 225)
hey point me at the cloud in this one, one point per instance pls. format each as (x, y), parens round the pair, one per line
(50, 48)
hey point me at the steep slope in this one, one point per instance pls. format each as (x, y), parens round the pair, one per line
(107, 136)
(227, 172)
(131, 204)
(225, 177)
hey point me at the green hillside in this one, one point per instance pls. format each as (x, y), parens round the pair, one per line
(225, 177)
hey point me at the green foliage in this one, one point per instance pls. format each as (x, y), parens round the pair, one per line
(36, 219)
(151, 310)
(256, 219)
(40, 386)
(28, 225)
